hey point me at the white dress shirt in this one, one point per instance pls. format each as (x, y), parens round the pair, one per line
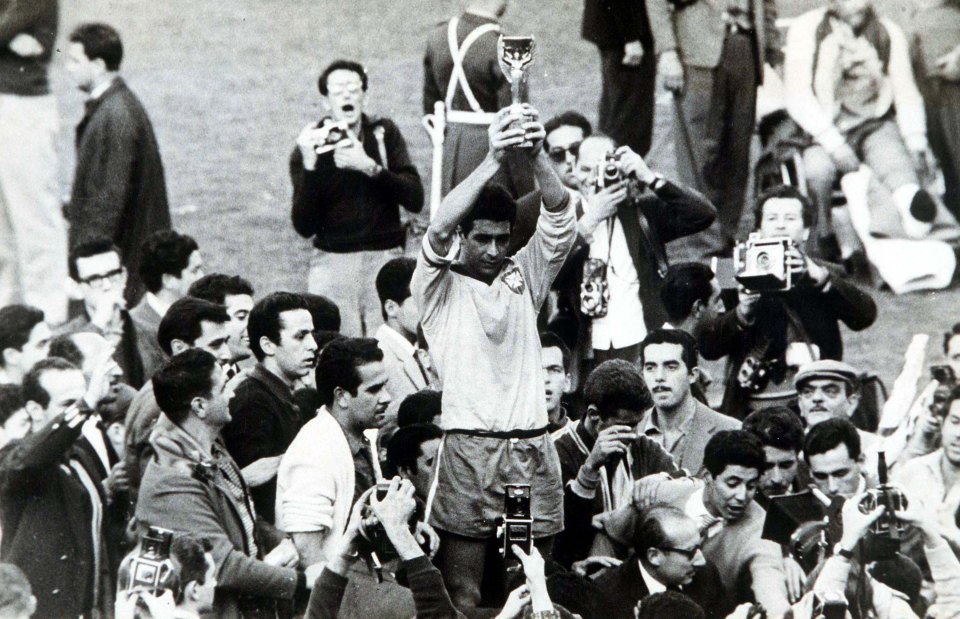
(623, 325)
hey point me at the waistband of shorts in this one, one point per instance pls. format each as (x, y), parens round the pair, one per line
(504, 435)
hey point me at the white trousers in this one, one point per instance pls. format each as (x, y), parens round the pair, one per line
(33, 233)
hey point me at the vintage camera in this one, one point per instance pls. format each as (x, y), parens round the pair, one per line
(337, 131)
(887, 527)
(754, 374)
(516, 524)
(761, 264)
(609, 172)
(152, 571)
(374, 545)
(829, 605)
(944, 375)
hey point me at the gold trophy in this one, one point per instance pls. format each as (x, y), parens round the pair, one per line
(516, 55)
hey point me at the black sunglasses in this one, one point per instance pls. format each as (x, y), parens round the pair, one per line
(559, 154)
(689, 553)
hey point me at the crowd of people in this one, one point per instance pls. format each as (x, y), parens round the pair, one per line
(519, 421)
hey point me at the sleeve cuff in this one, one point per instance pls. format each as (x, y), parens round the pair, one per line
(417, 565)
(436, 259)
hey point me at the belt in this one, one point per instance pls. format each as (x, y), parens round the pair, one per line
(504, 435)
(470, 118)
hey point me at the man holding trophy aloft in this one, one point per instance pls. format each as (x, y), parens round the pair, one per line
(479, 315)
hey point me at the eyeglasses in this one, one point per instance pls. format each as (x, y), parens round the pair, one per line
(98, 280)
(559, 154)
(688, 553)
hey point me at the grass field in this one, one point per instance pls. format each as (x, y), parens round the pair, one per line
(230, 84)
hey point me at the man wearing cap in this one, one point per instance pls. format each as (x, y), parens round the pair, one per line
(828, 389)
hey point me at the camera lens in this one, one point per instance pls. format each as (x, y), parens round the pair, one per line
(763, 261)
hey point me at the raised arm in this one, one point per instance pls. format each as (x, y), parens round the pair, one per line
(461, 198)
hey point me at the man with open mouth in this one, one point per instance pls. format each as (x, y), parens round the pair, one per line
(351, 173)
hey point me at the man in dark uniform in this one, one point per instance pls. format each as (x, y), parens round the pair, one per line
(621, 31)
(462, 70)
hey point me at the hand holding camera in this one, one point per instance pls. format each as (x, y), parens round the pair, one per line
(348, 154)
(920, 518)
(856, 522)
(632, 165)
(612, 443)
(604, 203)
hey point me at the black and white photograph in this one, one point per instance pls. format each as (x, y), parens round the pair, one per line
(470, 309)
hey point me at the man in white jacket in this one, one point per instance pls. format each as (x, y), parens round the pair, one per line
(331, 463)
(850, 86)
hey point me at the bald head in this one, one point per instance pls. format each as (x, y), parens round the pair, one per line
(591, 155)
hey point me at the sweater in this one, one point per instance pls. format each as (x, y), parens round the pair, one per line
(315, 487)
(347, 211)
(27, 77)
(813, 89)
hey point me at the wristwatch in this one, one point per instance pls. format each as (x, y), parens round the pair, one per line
(840, 551)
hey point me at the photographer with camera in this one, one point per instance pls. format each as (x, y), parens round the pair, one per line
(390, 510)
(936, 476)
(629, 215)
(193, 485)
(603, 454)
(788, 315)
(350, 172)
(849, 582)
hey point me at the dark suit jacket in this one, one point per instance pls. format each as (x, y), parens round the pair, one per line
(622, 587)
(672, 211)
(146, 322)
(46, 518)
(265, 422)
(612, 23)
(119, 191)
(819, 312)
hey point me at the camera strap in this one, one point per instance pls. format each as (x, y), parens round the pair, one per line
(799, 328)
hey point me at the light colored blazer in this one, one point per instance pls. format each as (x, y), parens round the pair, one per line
(403, 373)
(705, 423)
(697, 31)
(146, 322)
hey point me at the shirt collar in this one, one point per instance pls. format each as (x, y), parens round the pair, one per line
(697, 509)
(273, 383)
(652, 424)
(101, 88)
(653, 585)
(158, 306)
(387, 332)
